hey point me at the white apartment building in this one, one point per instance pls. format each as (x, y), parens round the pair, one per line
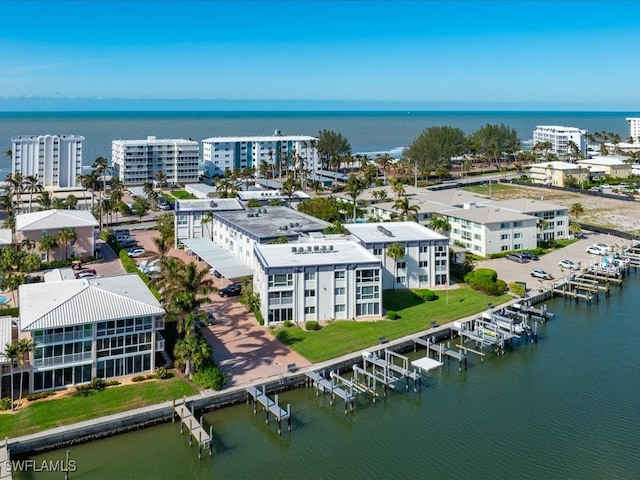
(82, 329)
(555, 173)
(320, 279)
(634, 129)
(189, 215)
(487, 229)
(237, 232)
(556, 217)
(559, 137)
(138, 161)
(55, 159)
(227, 153)
(425, 263)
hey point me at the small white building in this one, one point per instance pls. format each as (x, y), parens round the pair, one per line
(555, 173)
(269, 155)
(104, 327)
(55, 159)
(320, 279)
(425, 263)
(201, 190)
(556, 217)
(189, 215)
(614, 166)
(487, 229)
(138, 161)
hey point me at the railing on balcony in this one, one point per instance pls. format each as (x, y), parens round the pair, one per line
(61, 360)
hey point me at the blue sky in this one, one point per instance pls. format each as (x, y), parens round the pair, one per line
(406, 54)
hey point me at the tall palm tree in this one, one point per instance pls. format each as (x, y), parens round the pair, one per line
(47, 243)
(397, 187)
(161, 178)
(15, 184)
(207, 218)
(32, 185)
(27, 244)
(405, 208)
(24, 346)
(576, 209)
(67, 236)
(91, 183)
(192, 350)
(289, 187)
(45, 200)
(101, 168)
(440, 225)
(395, 251)
(71, 202)
(12, 352)
(354, 188)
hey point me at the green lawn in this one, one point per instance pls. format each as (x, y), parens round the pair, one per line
(342, 337)
(182, 195)
(484, 189)
(44, 414)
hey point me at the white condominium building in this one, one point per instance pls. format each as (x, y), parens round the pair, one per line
(425, 262)
(320, 279)
(271, 156)
(138, 161)
(634, 129)
(55, 159)
(559, 137)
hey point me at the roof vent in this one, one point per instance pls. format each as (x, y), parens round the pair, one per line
(294, 249)
(330, 247)
(384, 231)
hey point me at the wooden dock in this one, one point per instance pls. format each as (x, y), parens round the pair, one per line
(332, 386)
(270, 406)
(196, 428)
(441, 350)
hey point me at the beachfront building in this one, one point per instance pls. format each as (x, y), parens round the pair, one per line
(614, 166)
(55, 159)
(425, 262)
(561, 139)
(104, 327)
(189, 216)
(634, 129)
(555, 173)
(271, 156)
(237, 232)
(319, 278)
(138, 161)
(553, 223)
(486, 229)
(35, 225)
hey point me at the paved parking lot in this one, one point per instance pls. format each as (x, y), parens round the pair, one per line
(511, 271)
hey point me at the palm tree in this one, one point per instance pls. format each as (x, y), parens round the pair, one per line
(90, 182)
(161, 178)
(395, 251)
(31, 185)
(354, 188)
(384, 162)
(12, 352)
(71, 202)
(15, 183)
(67, 236)
(289, 187)
(162, 246)
(47, 243)
(24, 346)
(575, 228)
(406, 209)
(440, 225)
(576, 209)
(101, 167)
(27, 244)
(207, 218)
(45, 200)
(193, 349)
(397, 187)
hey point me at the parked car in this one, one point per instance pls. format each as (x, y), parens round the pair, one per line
(86, 274)
(215, 273)
(603, 246)
(232, 290)
(529, 256)
(135, 251)
(128, 242)
(541, 274)
(569, 264)
(517, 257)
(123, 232)
(596, 250)
(166, 206)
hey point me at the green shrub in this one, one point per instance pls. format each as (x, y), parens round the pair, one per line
(5, 403)
(312, 325)
(287, 323)
(32, 397)
(427, 295)
(518, 289)
(98, 384)
(486, 281)
(161, 373)
(111, 383)
(139, 378)
(392, 315)
(211, 377)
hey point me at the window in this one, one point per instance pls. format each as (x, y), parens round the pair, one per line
(424, 249)
(340, 308)
(517, 235)
(423, 278)
(504, 236)
(504, 225)
(367, 292)
(282, 280)
(423, 263)
(367, 276)
(402, 279)
(338, 274)
(504, 248)
(340, 291)
(477, 236)
(309, 293)
(517, 224)
(377, 251)
(402, 265)
(309, 310)
(310, 275)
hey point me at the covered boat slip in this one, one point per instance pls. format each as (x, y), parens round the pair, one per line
(215, 256)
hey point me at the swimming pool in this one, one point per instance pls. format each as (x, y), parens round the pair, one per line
(3, 299)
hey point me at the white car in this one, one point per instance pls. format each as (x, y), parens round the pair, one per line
(541, 274)
(571, 265)
(596, 250)
(135, 251)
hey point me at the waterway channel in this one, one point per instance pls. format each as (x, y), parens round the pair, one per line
(566, 407)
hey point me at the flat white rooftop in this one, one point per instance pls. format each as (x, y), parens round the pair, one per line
(392, 232)
(208, 205)
(337, 252)
(259, 138)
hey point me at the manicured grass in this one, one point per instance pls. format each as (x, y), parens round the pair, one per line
(182, 195)
(44, 414)
(342, 337)
(484, 189)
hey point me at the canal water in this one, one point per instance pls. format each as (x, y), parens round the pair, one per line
(566, 407)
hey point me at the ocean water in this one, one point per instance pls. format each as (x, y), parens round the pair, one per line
(366, 131)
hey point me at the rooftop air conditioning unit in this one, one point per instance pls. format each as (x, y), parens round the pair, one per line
(309, 248)
(294, 249)
(330, 248)
(316, 248)
(323, 248)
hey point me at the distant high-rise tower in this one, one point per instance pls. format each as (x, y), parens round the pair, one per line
(55, 159)
(634, 129)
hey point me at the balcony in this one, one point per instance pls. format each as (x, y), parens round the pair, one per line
(62, 360)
